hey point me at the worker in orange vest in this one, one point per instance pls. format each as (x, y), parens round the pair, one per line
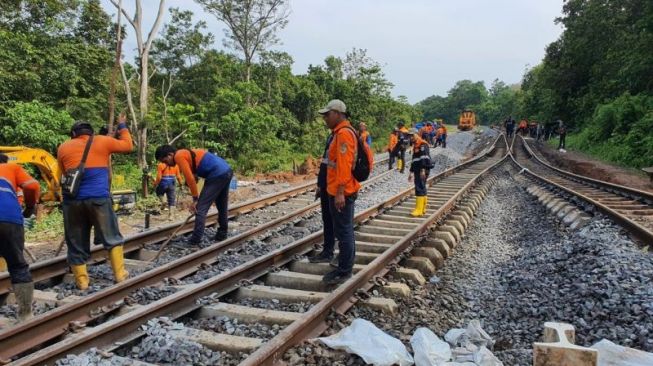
(441, 136)
(392, 143)
(364, 134)
(402, 144)
(217, 176)
(92, 205)
(12, 231)
(420, 169)
(523, 127)
(342, 189)
(165, 184)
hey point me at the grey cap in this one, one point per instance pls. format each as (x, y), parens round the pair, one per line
(413, 131)
(334, 105)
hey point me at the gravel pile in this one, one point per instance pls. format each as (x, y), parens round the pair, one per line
(226, 325)
(93, 358)
(146, 295)
(274, 304)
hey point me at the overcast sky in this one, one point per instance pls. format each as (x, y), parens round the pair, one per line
(424, 46)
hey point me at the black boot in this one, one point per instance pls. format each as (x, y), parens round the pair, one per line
(220, 235)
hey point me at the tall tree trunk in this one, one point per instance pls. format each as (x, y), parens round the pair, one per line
(142, 133)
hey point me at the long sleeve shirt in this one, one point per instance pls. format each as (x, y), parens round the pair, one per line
(342, 152)
(95, 181)
(208, 166)
(167, 174)
(13, 176)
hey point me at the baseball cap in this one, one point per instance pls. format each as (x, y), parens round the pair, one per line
(334, 105)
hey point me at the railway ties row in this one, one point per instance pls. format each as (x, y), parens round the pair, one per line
(391, 233)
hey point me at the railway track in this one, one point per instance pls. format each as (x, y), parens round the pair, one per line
(628, 207)
(383, 233)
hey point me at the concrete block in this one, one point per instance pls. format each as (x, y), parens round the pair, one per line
(304, 266)
(461, 219)
(375, 238)
(422, 264)
(385, 305)
(282, 294)
(396, 289)
(558, 348)
(558, 206)
(451, 230)
(393, 224)
(248, 314)
(457, 224)
(295, 280)
(372, 229)
(565, 210)
(409, 274)
(440, 245)
(446, 236)
(431, 253)
(218, 341)
(371, 247)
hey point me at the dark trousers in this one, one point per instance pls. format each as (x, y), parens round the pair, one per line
(509, 132)
(401, 153)
(169, 191)
(79, 216)
(343, 227)
(391, 160)
(561, 145)
(420, 184)
(214, 191)
(327, 221)
(12, 243)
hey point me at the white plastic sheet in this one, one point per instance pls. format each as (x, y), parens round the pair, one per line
(611, 354)
(370, 343)
(471, 346)
(428, 349)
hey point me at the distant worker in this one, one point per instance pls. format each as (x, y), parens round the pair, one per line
(539, 132)
(392, 143)
(523, 127)
(92, 206)
(419, 171)
(12, 231)
(441, 136)
(217, 176)
(403, 141)
(165, 184)
(425, 131)
(562, 132)
(342, 189)
(364, 134)
(509, 125)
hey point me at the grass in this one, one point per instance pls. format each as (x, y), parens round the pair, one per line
(48, 227)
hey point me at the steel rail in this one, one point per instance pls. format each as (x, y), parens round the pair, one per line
(58, 266)
(54, 323)
(311, 323)
(183, 301)
(637, 230)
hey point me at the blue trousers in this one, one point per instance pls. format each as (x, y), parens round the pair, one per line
(343, 228)
(420, 184)
(327, 222)
(169, 191)
(214, 191)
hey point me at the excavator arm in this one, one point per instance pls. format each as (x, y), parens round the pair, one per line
(44, 161)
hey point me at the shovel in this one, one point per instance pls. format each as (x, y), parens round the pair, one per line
(165, 244)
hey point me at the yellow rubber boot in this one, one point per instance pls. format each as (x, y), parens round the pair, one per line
(400, 164)
(419, 207)
(3, 265)
(118, 264)
(81, 276)
(425, 204)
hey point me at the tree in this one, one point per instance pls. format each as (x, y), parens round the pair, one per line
(252, 24)
(36, 125)
(144, 45)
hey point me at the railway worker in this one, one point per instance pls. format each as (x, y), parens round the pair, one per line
(217, 176)
(425, 131)
(12, 231)
(392, 142)
(562, 132)
(403, 141)
(165, 184)
(420, 168)
(342, 189)
(523, 127)
(509, 124)
(92, 206)
(364, 134)
(442, 135)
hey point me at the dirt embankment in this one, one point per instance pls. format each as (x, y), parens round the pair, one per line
(582, 164)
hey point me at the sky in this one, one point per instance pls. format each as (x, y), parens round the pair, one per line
(424, 46)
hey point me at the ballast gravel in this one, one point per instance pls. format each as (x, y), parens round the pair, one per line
(516, 268)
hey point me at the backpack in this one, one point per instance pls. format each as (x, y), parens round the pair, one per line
(364, 162)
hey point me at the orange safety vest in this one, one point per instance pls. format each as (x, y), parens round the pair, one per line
(341, 160)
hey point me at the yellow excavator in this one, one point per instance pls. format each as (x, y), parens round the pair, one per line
(51, 174)
(44, 161)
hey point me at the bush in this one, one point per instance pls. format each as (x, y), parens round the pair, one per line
(35, 125)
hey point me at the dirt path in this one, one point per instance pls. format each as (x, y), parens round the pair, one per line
(580, 163)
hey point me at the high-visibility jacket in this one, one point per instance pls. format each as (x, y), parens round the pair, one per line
(392, 142)
(208, 166)
(95, 181)
(441, 131)
(421, 157)
(13, 176)
(341, 160)
(523, 123)
(404, 138)
(166, 174)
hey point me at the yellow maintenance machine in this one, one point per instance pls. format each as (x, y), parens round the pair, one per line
(467, 120)
(51, 174)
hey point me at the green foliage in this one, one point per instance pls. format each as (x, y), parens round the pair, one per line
(34, 124)
(49, 226)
